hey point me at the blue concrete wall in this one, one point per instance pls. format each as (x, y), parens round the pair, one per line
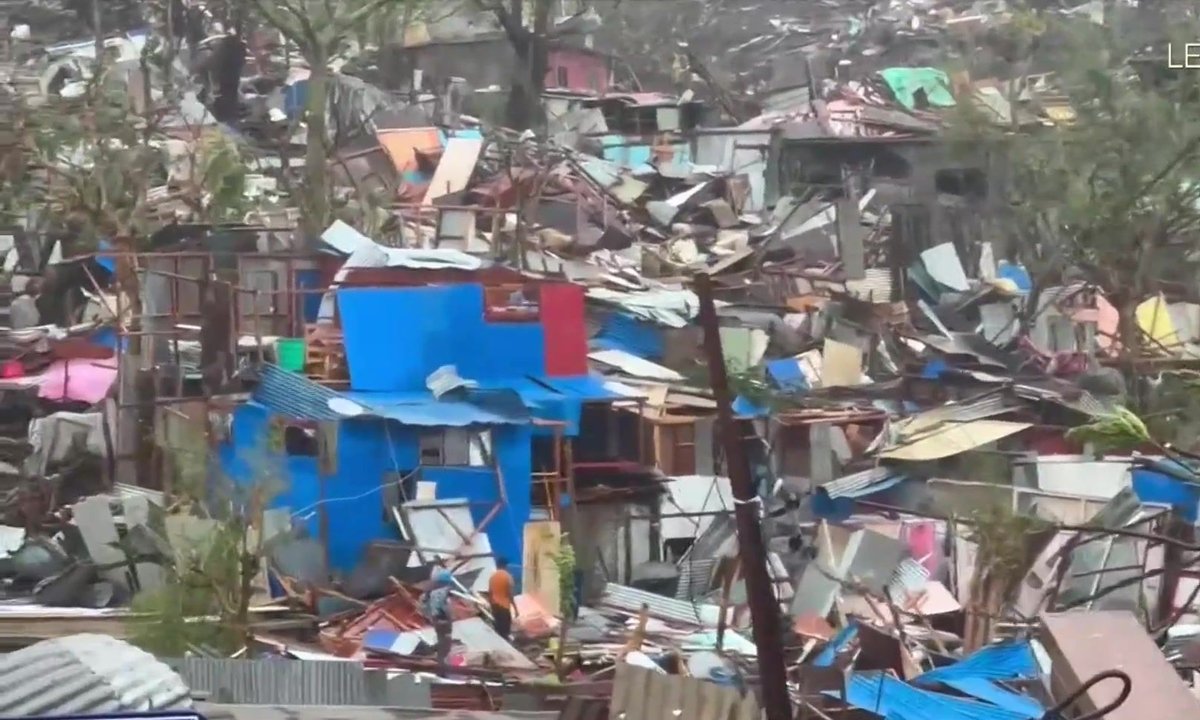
(512, 445)
(353, 500)
(396, 337)
(364, 455)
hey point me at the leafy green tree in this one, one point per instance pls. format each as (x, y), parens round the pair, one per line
(212, 579)
(1111, 198)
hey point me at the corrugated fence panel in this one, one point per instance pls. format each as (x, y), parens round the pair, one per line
(642, 694)
(288, 682)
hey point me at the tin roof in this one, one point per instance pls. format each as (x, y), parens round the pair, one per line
(86, 675)
(293, 395)
(888, 697)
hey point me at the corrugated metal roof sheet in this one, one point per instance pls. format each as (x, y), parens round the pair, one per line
(293, 395)
(952, 439)
(632, 335)
(895, 700)
(631, 600)
(298, 682)
(421, 409)
(214, 711)
(910, 579)
(991, 692)
(985, 407)
(586, 388)
(1006, 661)
(863, 483)
(84, 675)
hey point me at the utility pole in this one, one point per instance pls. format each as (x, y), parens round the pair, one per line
(752, 551)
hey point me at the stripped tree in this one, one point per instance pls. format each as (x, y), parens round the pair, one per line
(319, 29)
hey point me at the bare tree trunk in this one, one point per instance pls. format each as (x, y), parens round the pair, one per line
(524, 109)
(316, 175)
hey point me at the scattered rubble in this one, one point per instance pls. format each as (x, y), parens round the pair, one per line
(505, 362)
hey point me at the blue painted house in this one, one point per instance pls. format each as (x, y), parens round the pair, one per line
(347, 456)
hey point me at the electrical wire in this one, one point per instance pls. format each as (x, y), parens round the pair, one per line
(1118, 701)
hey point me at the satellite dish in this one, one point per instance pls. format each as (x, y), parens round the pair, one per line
(345, 407)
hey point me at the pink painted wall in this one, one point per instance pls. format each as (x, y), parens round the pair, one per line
(584, 72)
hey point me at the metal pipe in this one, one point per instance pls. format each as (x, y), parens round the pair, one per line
(764, 609)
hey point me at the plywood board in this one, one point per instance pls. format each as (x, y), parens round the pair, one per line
(455, 169)
(539, 571)
(841, 364)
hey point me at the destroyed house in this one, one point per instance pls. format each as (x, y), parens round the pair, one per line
(934, 188)
(462, 390)
(642, 127)
(489, 61)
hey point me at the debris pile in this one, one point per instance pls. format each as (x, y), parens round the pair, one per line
(501, 356)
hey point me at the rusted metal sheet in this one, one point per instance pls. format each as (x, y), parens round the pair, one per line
(462, 697)
(1082, 644)
(642, 694)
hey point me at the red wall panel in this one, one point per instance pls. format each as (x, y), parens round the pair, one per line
(566, 341)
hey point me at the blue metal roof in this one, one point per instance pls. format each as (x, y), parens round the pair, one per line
(787, 375)
(893, 699)
(633, 335)
(505, 402)
(423, 410)
(1001, 697)
(1006, 661)
(293, 395)
(582, 388)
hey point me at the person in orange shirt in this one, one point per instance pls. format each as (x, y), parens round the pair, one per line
(500, 595)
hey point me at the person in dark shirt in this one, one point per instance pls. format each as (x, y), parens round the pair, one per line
(437, 610)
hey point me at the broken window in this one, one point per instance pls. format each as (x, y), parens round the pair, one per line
(964, 182)
(512, 303)
(432, 443)
(456, 447)
(398, 488)
(301, 441)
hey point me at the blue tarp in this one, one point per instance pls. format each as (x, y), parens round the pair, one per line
(743, 407)
(1168, 482)
(786, 374)
(829, 653)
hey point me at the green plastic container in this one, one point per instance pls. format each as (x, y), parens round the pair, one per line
(290, 353)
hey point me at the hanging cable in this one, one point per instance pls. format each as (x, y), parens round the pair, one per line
(1052, 713)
